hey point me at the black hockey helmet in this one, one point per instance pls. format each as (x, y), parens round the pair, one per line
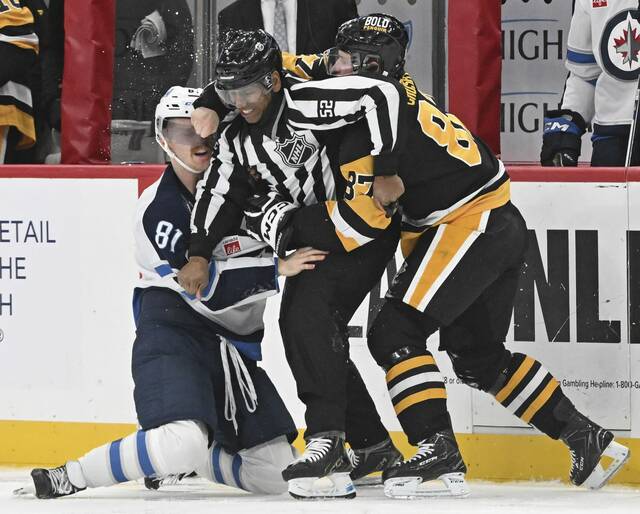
(245, 57)
(376, 42)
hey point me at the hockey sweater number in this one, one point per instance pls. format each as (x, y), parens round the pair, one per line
(163, 231)
(13, 4)
(358, 184)
(449, 132)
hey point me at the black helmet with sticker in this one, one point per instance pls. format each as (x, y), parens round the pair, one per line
(378, 40)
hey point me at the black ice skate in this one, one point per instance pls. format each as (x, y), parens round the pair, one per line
(437, 458)
(588, 443)
(50, 483)
(322, 471)
(373, 459)
(154, 483)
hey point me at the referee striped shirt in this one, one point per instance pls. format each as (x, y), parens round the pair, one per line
(294, 150)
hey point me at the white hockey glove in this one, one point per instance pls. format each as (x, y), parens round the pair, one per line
(267, 219)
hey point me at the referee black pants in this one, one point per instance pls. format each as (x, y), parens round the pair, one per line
(315, 311)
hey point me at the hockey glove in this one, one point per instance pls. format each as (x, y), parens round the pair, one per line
(267, 219)
(561, 139)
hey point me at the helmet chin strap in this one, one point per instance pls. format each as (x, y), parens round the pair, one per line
(172, 155)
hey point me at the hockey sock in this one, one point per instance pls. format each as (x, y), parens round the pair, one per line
(529, 391)
(418, 394)
(173, 448)
(257, 469)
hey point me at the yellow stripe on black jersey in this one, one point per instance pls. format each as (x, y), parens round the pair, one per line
(305, 66)
(16, 105)
(17, 26)
(357, 220)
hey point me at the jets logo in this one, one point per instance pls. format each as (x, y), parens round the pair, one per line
(295, 151)
(620, 46)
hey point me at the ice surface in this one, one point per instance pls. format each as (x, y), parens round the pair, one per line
(199, 497)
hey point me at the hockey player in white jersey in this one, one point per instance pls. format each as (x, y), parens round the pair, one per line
(603, 60)
(202, 402)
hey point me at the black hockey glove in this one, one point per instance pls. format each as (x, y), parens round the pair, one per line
(561, 139)
(267, 219)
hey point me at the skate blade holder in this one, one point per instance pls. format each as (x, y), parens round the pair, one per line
(409, 488)
(337, 486)
(372, 480)
(601, 475)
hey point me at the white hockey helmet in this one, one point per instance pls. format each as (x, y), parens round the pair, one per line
(177, 102)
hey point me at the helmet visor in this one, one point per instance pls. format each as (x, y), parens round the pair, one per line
(245, 95)
(183, 133)
(340, 62)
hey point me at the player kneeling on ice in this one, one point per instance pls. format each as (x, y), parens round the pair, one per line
(202, 402)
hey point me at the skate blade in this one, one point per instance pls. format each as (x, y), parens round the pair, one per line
(337, 486)
(601, 475)
(408, 488)
(369, 481)
(25, 490)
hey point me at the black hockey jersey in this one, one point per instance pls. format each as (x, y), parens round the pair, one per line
(448, 172)
(18, 51)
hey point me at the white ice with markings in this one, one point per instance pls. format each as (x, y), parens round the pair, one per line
(197, 496)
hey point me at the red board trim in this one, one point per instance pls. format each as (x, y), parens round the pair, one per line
(148, 173)
(145, 174)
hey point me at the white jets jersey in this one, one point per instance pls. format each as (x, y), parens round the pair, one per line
(603, 60)
(242, 271)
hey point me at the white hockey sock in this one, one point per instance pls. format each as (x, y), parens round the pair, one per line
(173, 448)
(257, 469)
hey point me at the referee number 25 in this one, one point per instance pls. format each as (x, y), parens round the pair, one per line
(449, 132)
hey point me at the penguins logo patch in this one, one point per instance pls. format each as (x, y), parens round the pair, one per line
(620, 46)
(295, 151)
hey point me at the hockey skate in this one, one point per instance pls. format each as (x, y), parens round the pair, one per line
(51, 483)
(154, 483)
(588, 443)
(373, 459)
(437, 458)
(322, 471)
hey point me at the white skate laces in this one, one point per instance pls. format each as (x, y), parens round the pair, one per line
(353, 457)
(424, 449)
(316, 448)
(245, 383)
(60, 480)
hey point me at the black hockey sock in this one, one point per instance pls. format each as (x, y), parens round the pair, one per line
(529, 391)
(418, 393)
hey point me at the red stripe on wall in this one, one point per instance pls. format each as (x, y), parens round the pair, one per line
(87, 81)
(146, 174)
(475, 66)
(583, 174)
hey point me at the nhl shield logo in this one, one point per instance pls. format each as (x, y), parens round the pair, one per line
(295, 151)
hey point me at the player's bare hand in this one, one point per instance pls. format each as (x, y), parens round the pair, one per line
(300, 260)
(205, 121)
(386, 191)
(194, 276)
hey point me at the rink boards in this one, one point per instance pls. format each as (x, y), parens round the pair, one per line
(66, 328)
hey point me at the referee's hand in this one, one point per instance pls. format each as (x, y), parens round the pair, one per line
(194, 276)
